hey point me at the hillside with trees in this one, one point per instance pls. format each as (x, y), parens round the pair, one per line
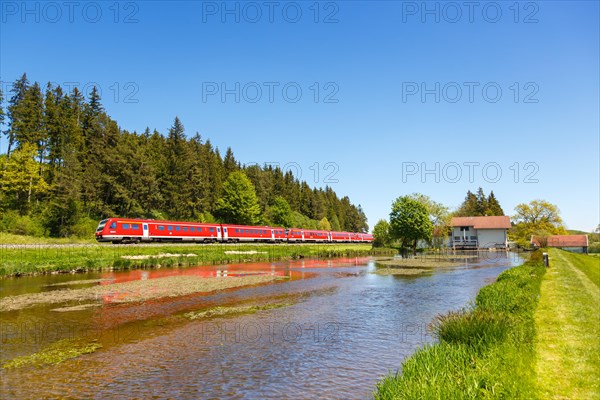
(68, 165)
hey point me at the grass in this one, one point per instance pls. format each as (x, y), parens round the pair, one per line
(228, 311)
(54, 354)
(484, 352)
(568, 326)
(48, 259)
(9, 238)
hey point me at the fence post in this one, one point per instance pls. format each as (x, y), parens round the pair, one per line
(546, 260)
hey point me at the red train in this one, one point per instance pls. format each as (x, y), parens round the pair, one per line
(123, 230)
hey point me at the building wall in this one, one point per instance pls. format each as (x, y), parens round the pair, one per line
(491, 237)
(457, 232)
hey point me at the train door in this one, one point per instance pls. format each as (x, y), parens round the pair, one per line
(303, 236)
(225, 235)
(218, 233)
(272, 234)
(145, 231)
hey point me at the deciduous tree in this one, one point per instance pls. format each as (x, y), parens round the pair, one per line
(409, 222)
(239, 204)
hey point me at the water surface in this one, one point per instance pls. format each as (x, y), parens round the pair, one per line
(344, 329)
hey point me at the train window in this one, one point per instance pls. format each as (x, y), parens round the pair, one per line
(135, 226)
(161, 228)
(177, 228)
(113, 225)
(125, 226)
(237, 230)
(212, 229)
(170, 227)
(185, 229)
(199, 229)
(247, 231)
(192, 229)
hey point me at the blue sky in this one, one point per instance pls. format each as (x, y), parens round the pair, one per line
(366, 94)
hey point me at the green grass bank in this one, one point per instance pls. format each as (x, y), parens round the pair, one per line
(487, 351)
(533, 334)
(568, 328)
(42, 259)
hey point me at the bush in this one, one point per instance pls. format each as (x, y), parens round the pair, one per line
(594, 248)
(13, 222)
(84, 228)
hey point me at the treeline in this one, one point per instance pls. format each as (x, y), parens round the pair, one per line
(68, 164)
(479, 205)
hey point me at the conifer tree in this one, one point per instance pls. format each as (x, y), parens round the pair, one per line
(493, 205)
(15, 110)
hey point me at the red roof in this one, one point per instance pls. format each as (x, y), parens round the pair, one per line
(498, 222)
(563, 241)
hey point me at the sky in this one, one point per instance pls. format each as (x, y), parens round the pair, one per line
(374, 99)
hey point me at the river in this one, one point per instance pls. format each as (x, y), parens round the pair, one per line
(342, 328)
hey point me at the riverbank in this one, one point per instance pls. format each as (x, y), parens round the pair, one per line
(568, 326)
(487, 351)
(77, 258)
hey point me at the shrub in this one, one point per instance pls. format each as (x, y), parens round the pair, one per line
(84, 228)
(13, 222)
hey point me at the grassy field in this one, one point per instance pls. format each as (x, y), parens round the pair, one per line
(16, 261)
(484, 352)
(9, 238)
(568, 328)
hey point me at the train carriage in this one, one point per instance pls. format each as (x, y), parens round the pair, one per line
(127, 230)
(246, 233)
(123, 230)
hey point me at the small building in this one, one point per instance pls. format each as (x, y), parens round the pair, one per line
(480, 232)
(574, 243)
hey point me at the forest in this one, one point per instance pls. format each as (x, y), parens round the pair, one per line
(68, 164)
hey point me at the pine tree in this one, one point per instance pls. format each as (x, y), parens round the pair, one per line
(175, 181)
(15, 112)
(493, 205)
(469, 207)
(54, 128)
(482, 205)
(229, 163)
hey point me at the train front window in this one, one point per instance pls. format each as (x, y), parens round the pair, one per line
(113, 225)
(101, 225)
